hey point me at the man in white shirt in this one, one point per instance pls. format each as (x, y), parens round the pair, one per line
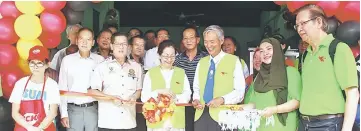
(71, 32)
(79, 113)
(117, 77)
(151, 58)
(218, 81)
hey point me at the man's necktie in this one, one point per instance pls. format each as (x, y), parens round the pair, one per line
(208, 91)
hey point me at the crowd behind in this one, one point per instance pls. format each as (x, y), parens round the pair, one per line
(116, 69)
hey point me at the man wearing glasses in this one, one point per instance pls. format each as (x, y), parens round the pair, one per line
(322, 105)
(151, 57)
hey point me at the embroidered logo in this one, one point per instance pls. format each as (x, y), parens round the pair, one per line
(322, 58)
(177, 83)
(36, 51)
(111, 70)
(223, 73)
(131, 73)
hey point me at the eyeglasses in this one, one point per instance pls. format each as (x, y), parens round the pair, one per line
(168, 57)
(303, 23)
(163, 36)
(33, 64)
(121, 45)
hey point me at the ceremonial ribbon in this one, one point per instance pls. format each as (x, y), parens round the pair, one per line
(78, 94)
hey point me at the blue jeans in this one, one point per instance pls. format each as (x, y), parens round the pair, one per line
(333, 124)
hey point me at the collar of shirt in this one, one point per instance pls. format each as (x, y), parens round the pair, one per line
(198, 54)
(91, 56)
(114, 61)
(325, 42)
(218, 57)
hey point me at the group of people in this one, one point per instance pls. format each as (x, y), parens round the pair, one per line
(114, 75)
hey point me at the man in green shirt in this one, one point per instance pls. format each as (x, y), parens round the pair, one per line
(322, 105)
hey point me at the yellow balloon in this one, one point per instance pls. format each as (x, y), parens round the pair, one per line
(23, 47)
(29, 7)
(24, 66)
(28, 27)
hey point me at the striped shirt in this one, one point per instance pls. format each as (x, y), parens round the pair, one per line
(189, 67)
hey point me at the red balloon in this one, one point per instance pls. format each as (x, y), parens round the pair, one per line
(8, 56)
(294, 5)
(8, 78)
(8, 35)
(330, 7)
(53, 22)
(351, 11)
(50, 40)
(8, 9)
(53, 5)
(355, 51)
(280, 2)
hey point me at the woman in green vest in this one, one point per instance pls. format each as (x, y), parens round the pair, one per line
(169, 80)
(276, 89)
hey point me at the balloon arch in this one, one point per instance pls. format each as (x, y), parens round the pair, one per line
(25, 24)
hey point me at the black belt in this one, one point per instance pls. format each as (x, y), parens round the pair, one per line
(85, 104)
(320, 117)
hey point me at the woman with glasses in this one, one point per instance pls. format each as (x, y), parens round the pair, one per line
(168, 80)
(117, 83)
(35, 98)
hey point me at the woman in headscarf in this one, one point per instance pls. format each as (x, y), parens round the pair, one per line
(276, 89)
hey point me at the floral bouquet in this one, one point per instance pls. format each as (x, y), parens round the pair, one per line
(157, 110)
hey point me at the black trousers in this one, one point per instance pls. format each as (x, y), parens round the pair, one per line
(206, 123)
(104, 129)
(189, 112)
(6, 121)
(141, 123)
(333, 124)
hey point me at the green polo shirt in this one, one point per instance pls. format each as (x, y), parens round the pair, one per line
(323, 81)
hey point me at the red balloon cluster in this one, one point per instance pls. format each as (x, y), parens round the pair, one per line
(349, 11)
(53, 23)
(343, 10)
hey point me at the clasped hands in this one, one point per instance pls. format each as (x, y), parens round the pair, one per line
(214, 103)
(119, 101)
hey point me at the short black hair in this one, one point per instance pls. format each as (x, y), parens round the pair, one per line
(133, 28)
(135, 37)
(118, 34)
(86, 29)
(191, 27)
(149, 31)
(104, 30)
(156, 34)
(165, 44)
